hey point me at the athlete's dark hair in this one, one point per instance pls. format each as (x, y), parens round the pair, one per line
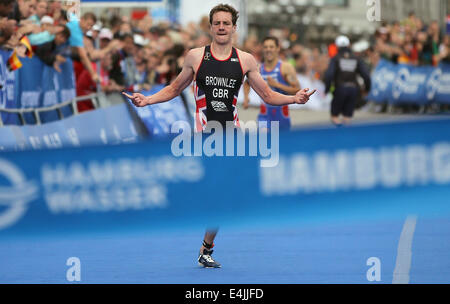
(224, 8)
(274, 39)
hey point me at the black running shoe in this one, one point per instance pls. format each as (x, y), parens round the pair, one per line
(205, 260)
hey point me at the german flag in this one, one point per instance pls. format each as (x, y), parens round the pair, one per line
(29, 50)
(14, 62)
(448, 24)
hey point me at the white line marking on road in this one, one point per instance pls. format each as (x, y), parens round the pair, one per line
(404, 252)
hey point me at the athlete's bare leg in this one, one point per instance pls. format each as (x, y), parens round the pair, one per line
(336, 121)
(204, 258)
(210, 235)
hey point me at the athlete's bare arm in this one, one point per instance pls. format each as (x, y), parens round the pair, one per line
(246, 94)
(269, 96)
(191, 62)
(247, 91)
(290, 75)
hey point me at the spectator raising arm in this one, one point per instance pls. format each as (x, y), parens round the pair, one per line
(50, 52)
(77, 30)
(97, 54)
(87, 63)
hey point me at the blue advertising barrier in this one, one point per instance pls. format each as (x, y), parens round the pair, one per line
(34, 85)
(112, 125)
(94, 127)
(159, 118)
(438, 85)
(357, 173)
(8, 141)
(382, 79)
(7, 89)
(410, 85)
(403, 84)
(39, 85)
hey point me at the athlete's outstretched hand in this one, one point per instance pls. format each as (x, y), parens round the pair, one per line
(303, 96)
(137, 99)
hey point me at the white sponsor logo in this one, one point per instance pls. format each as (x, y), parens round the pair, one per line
(6, 87)
(2, 83)
(219, 106)
(15, 196)
(407, 83)
(74, 187)
(433, 83)
(438, 83)
(119, 185)
(382, 79)
(362, 169)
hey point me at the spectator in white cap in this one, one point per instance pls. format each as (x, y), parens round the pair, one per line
(105, 37)
(47, 20)
(47, 23)
(94, 32)
(139, 40)
(106, 45)
(47, 31)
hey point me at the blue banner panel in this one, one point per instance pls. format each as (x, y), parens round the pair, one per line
(112, 125)
(362, 172)
(159, 118)
(7, 139)
(409, 86)
(438, 85)
(404, 84)
(29, 83)
(7, 89)
(39, 85)
(382, 79)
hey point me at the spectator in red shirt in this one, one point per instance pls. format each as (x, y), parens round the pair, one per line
(86, 86)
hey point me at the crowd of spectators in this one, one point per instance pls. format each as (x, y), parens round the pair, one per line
(113, 53)
(413, 42)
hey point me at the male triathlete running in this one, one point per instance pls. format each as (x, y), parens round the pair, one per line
(281, 77)
(218, 71)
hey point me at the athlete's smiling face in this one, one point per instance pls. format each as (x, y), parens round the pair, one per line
(270, 50)
(222, 28)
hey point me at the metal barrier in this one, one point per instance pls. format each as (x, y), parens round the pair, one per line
(36, 111)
